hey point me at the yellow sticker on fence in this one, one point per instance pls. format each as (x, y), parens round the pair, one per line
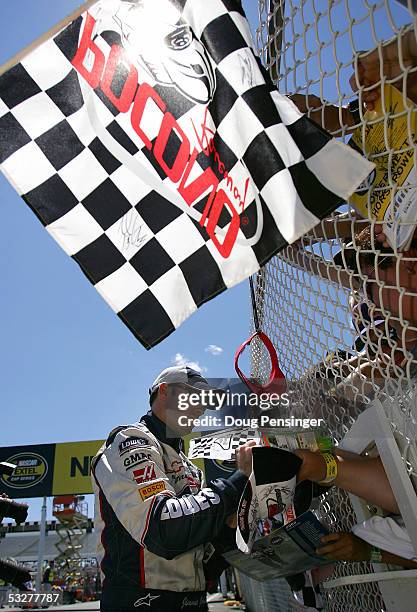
(390, 190)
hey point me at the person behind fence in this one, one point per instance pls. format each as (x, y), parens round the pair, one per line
(390, 284)
(379, 539)
(48, 577)
(384, 285)
(383, 304)
(399, 62)
(396, 56)
(161, 530)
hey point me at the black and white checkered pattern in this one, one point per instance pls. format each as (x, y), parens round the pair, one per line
(151, 261)
(221, 445)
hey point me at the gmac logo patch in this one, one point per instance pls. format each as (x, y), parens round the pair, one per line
(136, 459)
(129, 443)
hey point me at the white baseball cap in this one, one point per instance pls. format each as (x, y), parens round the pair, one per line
(182, 375)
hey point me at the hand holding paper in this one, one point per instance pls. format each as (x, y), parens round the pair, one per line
(268, 492)
(244, 457)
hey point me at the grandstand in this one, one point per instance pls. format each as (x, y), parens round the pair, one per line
(22, 542)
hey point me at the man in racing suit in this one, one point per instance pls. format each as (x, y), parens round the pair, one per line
(155, 518)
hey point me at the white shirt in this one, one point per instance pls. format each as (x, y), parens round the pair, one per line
(388, 534)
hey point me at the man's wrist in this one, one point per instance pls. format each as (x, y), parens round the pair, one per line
(239, 480)
(313, 467)
(331, 468)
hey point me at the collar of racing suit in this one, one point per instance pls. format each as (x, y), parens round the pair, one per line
(161, 431)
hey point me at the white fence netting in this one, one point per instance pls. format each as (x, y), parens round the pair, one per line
(341, 305)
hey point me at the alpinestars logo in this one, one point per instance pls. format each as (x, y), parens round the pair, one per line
(145, 601)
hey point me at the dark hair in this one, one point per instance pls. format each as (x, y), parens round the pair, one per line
(152, 396)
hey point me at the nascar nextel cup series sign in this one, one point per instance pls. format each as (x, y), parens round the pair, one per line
(150, 142)
(48, 469)
(30, 471)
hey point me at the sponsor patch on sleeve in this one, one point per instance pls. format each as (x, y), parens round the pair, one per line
(130, 443)
(135, 459)
(145, 473)
(151, 489)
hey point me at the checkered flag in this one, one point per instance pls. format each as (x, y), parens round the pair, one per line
(221, 445)
(150, 142)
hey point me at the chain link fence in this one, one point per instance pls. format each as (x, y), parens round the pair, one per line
(341, 305)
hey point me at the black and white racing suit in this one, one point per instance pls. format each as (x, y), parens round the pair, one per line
(156, 520)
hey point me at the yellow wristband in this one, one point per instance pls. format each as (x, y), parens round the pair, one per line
(331, 468)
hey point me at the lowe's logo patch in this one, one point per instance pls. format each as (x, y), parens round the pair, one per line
(130, 443)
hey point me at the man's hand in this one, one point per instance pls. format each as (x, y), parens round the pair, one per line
(344, 547)
(369, 68)
(330, 117)
(380, 236)
(313, 468)
(304, 103)
(244, 457)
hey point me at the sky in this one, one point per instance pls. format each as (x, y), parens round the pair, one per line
(69, 368)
